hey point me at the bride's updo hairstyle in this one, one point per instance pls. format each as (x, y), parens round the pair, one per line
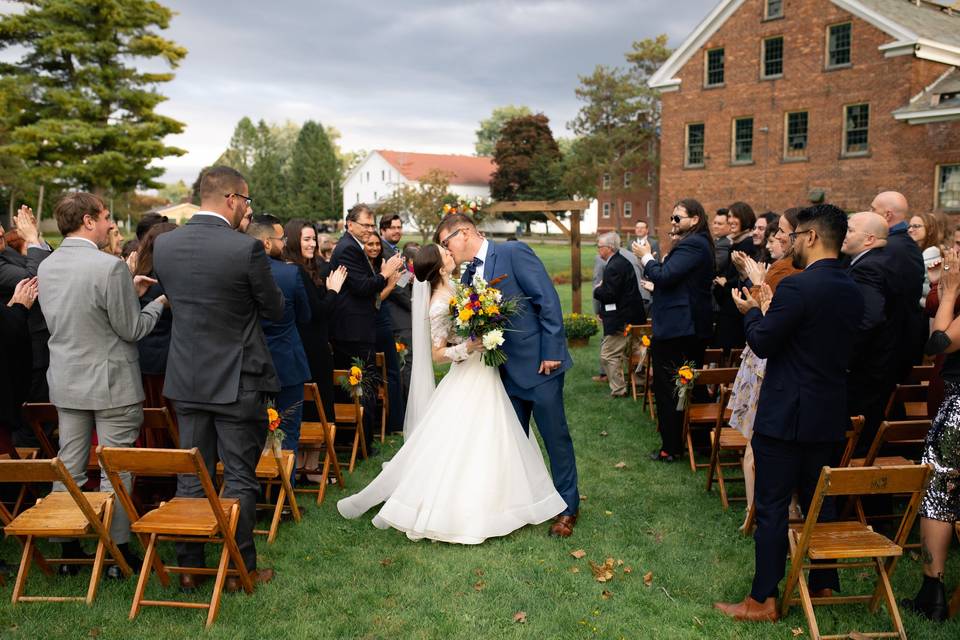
(428, 265)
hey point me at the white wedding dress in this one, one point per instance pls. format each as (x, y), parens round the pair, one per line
(467, 472)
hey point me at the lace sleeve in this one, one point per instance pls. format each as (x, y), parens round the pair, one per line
(440, 324)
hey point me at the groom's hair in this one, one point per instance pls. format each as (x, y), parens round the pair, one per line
(451, 222)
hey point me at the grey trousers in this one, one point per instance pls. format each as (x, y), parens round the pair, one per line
(117, 427)
(234, 434)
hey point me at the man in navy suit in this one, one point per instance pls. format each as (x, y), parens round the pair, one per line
(807, 336)
(536, 346)
(283, 339)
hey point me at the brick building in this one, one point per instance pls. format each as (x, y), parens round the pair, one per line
(626, 198)
(785, 102)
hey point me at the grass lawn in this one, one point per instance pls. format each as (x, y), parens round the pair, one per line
(346, 579)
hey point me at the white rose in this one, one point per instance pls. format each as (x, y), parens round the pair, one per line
(492, 340)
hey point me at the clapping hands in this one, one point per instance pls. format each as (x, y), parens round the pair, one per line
(950, 277)
(744, 300)
(26, 224)
(336, 279)
(25, 293)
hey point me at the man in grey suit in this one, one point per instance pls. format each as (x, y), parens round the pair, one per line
(400, 300)
(91, 307)
(220, 374)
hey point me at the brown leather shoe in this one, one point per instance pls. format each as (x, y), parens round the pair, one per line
(562, 526)
(822, 593)
(750, 610)
(190, 581)
(261, 576)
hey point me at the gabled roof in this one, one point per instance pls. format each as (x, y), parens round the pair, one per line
(466, 170)
(922, 28)
(937, 103)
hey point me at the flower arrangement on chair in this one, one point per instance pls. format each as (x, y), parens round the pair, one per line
(683, 383)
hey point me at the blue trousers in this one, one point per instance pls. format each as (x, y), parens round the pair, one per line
(290, 424)
(545, 403)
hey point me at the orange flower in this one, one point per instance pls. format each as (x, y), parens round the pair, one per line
(686, 374)
(645, 341)
(400, 347)
(354, 381)
(626, 330)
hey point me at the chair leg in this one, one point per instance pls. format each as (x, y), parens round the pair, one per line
(288, 489)
(363, 436)
(144, 576)
(383, 424)
(357, 441)
(723, 488)
(714, 458)
(214, 609)
(277, 512)
(807, 604)
(21, 581)
(693, 460)
(888, 596)
(751, 516)
(332, 455)
(100, 554)
(231, 543)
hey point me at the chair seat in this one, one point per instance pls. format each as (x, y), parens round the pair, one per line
(28, 453)
(312, 433)
(707, 412)
(57, 515)
(266, 466)
(183, 516)
(345, 413)
(840, 540)
(730, 439)
(916, 410)
(883, 461)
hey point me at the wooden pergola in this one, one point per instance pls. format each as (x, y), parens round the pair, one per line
(550, 208)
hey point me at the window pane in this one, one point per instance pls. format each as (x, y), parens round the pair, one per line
(626, 180)
(796, 135)
(627, 209)
(695, 135)
(715, 67)
(606, 181)
(774, 8)
(606, 209)
(949, 191)
(839, 45)
(858, 123)
(773, 56)
(743, 140)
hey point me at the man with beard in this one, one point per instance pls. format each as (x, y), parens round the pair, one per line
(807, 336)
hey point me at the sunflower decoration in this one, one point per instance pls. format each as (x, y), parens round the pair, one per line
(683, 383)
(358, 379)
(275, 434)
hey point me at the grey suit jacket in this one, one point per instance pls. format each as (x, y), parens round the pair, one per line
(94, 317)
(219, 285)
(399, 303)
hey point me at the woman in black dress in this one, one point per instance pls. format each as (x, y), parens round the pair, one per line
(154, 346)
(729, 328)
(301, 249)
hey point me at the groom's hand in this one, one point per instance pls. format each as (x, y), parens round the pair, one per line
(549, 366)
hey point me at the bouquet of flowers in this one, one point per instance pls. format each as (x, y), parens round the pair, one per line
(275, 434)
(640, 350)
(462, 205)
(358, 379)
(683, 383)
(481, 312)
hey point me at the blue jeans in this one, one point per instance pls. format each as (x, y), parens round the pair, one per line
(290, 424)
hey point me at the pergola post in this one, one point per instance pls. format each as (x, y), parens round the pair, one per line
(575, 261)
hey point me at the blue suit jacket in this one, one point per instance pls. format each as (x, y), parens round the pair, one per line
(536, 332)
(807, 337)
(283, 339)
(682, 305)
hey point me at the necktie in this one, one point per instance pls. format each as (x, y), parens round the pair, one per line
(471, 269)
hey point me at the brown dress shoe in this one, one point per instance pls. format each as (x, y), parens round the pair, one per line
(822, 593)
(190, 581)
(562, 526)
(750, 610)
(262, 576)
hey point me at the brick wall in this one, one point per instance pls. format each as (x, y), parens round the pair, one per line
(901, 156)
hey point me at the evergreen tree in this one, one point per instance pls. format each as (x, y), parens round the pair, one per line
(266, 179)
(314, 178)
(489, 132)
(91, 121)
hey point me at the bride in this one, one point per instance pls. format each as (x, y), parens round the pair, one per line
(466, 471)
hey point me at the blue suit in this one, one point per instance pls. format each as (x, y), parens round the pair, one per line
(536, 334)
(286, 348)
(807, 337)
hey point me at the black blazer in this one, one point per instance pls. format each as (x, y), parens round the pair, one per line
(153, 347)
(219, 285)
(681, 294)
(619, 288)
(14, 268)
(906, 263)
(15, 363)
(354, 316)
(807, 337)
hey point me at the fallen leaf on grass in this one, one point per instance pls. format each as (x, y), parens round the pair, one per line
(796, 631)
(520, 616)
(479, 585)
(604, 433)
(582, 497)
(619, 563)
(608, 513)
(628, 569)
(574, 569)
(386, 562)
(648, 578)
(478, 572)
(603, 572)
(620, 465)
(606, 595)
(698, 621)
(94, 632)
(856, 635)
(579, 553)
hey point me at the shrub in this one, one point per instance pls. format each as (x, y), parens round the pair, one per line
(578, 325)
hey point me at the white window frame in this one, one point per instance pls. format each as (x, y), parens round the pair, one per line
(605, 209)
(627, 209)
(626, 179)
(786, 136)
(826, 49)
(706, 68)
(766, 11)
(938, 176)
(686, 146)
(763, 57)
(606, 181)
(733, 139)
(843, 141)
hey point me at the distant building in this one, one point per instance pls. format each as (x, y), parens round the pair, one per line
(177, 213)
(629, 197)
(783, 104)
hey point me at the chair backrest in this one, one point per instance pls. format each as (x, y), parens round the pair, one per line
(860, 481)
(902, 432)
(36, 415)
(311, 394)
(853, 436)
(724, 375)
(906, 394)
(735, 355)
(712, 356)
(637, 331)
(920, 373)
(159, 425)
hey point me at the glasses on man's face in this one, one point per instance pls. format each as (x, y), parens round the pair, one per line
(446, 241)
(677, 219)
(281, 238)
(366, 225)
(793, 236)
(239, 195)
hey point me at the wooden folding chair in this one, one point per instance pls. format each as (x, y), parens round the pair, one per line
(274, 469)
(853, 436)
(706, 415)
(349, 416)
(382, 394)
(210, 519)
(159, 429)
(735, 355)
(67, 514)
(908, 402)
(729, 441)
(712, 357)
(318, 436)
(22, 453)
(833, 544)
(900, 434)
(634, 363)
(36, 415)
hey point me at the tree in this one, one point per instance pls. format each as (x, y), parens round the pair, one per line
(489, 131)
(266, 179)
(174, 192)
(91, 122)
(529, 164)
(314, 177)
(243, 147)
(422, 204)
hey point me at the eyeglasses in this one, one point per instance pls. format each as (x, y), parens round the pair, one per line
(793, 236)
(446, 241)
(281, 238)
(914, 226)
(366, 225)
(677, 219)
(239, 195)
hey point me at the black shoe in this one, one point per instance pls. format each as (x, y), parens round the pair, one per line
(373, 450)
(72, 551)
(933, 607)
(661, 456)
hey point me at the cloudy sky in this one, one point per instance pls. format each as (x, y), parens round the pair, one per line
(415, 75)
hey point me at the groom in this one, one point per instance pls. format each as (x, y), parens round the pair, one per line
(536, 347)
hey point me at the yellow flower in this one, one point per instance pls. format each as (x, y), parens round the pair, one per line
(400, 347)
(645, 341)
(353, 381)
(685, 373)
(493, 310)
(465, 314)
(355, 372)
(272, 415)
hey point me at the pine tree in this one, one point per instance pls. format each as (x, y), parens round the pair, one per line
(266, 179)
(91, 121)
(314, 189)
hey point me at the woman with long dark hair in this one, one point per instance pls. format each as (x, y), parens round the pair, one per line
(682, 313)
(153, 347)
(729, 330)
(300, 248)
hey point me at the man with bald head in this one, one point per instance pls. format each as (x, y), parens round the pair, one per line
(906, 264)
(876, 341)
